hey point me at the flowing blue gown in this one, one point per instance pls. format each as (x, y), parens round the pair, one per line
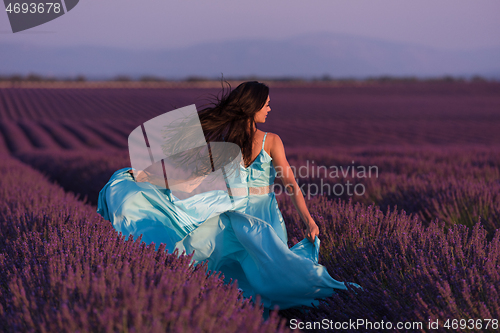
(245, 237)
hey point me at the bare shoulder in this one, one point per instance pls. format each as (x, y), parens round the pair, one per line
(275, 144)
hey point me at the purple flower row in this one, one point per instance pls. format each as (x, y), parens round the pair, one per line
(65, 269)
(409, 271)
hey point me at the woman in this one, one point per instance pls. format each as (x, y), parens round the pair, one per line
(244, 238)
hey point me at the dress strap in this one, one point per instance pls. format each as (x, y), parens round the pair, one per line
(264, 140)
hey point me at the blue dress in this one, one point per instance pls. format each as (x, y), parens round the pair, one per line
(244, 238)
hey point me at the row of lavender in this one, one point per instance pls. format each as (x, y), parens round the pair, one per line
(411, 274)
(65, 269)
(100, 103)
(457, 185)
(65, 135)
(374, 114)
(57, 249)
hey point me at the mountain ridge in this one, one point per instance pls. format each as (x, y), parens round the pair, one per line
(307, 55)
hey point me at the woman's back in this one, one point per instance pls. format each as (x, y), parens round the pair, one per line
(260, 173)
(259, 144)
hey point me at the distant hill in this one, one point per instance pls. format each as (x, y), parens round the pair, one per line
(309, 55)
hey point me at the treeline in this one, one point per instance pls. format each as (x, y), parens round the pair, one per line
(324, 78)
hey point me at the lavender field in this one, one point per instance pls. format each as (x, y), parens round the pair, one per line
(422, 238)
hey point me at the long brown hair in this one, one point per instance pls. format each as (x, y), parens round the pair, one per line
(230, 118)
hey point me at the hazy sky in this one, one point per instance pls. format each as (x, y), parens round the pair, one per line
(447, 24)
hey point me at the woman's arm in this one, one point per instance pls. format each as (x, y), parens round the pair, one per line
(285, 173)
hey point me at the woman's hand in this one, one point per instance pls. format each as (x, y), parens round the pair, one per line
(312, 231)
